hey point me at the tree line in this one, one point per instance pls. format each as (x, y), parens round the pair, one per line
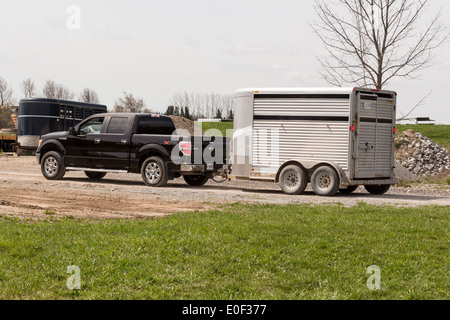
(201, 105)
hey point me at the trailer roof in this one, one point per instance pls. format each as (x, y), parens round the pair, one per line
(346, 90)
(58, 101)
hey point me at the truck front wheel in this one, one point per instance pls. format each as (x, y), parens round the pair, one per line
(52, 166)
(196, 181)
(154, 172)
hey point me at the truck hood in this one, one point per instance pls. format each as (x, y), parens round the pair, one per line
(55, 135)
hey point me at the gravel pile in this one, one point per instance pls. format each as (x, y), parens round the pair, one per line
(420, 155)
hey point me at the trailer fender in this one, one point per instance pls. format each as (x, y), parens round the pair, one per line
(310, 165)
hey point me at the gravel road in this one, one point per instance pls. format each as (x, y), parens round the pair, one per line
(24, 193)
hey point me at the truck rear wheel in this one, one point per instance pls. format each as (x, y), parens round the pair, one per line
(293, 180)
(95, 175)
(196, 181)
(154, 172)
(381, 189)
(325, 181)
(52, 166)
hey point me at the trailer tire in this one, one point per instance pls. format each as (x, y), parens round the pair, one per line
(95, 175)
(293, 180)
(154, 172)
(196, 181)
(348, 190)
(378, 190)
(52, 166)
(325, 181)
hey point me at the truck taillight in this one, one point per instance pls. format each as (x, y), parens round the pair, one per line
(186, 148)
(352, 128)
(395, 130)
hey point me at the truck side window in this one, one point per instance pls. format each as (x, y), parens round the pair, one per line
(117, 125)
(156, 125)
(93, 126)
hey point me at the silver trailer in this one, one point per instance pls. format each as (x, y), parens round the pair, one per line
(335, 139)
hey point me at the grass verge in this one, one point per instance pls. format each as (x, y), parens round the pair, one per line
(239, 252)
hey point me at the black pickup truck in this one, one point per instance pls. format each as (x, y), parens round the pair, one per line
(133, 143)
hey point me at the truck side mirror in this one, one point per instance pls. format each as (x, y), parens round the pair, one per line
(72, 131)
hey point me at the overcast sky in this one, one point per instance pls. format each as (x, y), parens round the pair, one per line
(157, 48)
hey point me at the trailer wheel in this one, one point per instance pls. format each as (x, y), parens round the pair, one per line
(196, 181)
(349, 190)
(95, 175)
(381, 189)
(154, 172)
(52, 166)
(325, 181)
(293, 180)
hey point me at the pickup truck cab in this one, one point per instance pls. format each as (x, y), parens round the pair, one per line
(132, 143)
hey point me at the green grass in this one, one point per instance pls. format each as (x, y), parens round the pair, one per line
(239, 252)
(222, 126)
(439, 133)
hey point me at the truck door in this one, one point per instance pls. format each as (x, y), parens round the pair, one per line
(82, 150)
(115, 144)
(374, 149)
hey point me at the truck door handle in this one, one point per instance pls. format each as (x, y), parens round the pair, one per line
(123, 141)
(97, 141)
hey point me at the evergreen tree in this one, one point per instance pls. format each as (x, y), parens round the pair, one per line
(169, 111)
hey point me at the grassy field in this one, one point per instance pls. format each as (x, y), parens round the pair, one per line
(222, 126)
(439, 134)
(239, 252)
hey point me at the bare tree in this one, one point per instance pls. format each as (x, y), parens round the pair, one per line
(370, 42)
(53, 90)
(129, 103)
(28, 88)
(6, 102)
(88, 96)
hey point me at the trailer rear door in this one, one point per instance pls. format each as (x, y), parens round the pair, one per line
(375, 122)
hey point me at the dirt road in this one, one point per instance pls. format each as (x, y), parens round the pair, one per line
(24, 193)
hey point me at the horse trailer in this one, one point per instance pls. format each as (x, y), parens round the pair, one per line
(335, 139)
(39, 116)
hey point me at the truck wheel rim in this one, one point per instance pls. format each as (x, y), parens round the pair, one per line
(324, 181)
(153, 172)
(292, 180)
(51, 166)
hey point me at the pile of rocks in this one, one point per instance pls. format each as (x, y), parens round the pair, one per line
(421, 155)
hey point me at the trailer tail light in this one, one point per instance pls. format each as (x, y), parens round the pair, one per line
(352, 128)
(395, 130)
(186, 148)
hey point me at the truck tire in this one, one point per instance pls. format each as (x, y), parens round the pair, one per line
(349, 190)
(325, 181)
(95, 175)
(196, 181)
(293, 180)
(382, 189)
(154, 172)
(52, 166)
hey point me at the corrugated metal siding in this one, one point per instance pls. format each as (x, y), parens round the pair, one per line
(276, 142)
